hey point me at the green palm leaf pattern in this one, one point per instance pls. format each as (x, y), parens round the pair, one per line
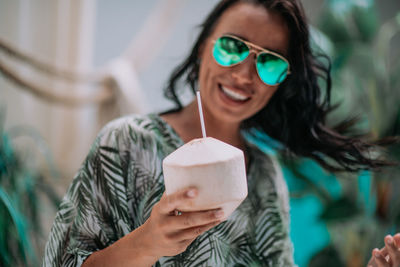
(121, 180)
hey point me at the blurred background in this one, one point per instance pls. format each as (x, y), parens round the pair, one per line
(68, 67)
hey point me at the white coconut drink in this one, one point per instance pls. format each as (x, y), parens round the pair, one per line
(215, 168)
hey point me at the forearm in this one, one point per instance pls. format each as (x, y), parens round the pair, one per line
(128, 251)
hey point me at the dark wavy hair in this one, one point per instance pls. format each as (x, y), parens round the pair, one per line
(296, 114)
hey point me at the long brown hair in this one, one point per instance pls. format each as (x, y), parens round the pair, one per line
(296, 114)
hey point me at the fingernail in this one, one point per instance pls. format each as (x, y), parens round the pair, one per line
(191, 193)
(218, 214)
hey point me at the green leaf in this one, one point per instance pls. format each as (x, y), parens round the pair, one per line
(341, 209)
(382, 46)
(327, 257)
(19, 224)
(320, 41)
(366, 21)
(340, 7)
(334, 26)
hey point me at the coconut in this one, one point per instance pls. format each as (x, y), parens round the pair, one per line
(215, 168)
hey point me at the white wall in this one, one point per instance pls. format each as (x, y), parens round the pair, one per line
(118, 21)
(59, 33)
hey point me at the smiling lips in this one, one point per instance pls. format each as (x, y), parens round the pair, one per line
(233, 94)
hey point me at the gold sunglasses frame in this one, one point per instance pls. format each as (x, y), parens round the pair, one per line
(257, 51)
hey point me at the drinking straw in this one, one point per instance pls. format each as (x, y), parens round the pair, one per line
(203, 128)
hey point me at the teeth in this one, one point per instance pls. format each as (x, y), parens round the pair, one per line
(234, 95)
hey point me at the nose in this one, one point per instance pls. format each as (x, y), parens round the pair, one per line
(243, 73)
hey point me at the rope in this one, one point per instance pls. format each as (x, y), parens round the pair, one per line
(45, 68)
(78, 99)
(159, 24)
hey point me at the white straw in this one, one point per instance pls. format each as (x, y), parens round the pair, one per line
(203, 128)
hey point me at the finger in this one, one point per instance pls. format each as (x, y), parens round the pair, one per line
(394, 252)
(379, 258)
(384, 251)
(372, 262)
(194, 219)
(192, 233)
(169, 203)
(396, 238)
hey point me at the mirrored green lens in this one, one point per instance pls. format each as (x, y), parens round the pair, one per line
(229, 51)
(271, 69)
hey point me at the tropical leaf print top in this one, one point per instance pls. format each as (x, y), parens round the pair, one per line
(120, 181)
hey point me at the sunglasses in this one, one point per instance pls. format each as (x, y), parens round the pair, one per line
(229, 51)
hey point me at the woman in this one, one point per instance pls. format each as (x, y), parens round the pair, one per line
(253, 65)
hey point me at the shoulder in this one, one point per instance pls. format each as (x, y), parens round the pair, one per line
(135, 137)
(133, 129)
(144, 124)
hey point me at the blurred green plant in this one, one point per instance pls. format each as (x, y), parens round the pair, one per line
(366, 84)
(22, 186)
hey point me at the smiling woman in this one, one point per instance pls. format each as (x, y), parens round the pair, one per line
(218, 84)
(254, 68)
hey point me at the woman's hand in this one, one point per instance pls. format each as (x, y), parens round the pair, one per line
(388, 256)
(165, 234)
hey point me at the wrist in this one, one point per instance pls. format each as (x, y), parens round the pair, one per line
(142, 249)
(127, 251)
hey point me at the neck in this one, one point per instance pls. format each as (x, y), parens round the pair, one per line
(225, 131)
